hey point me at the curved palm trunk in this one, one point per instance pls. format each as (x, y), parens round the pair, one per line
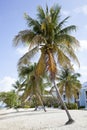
(70, 120)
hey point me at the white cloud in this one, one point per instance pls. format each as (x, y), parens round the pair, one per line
(82, 59)
(85, 26)
(83, 45)
(81, 9)
(84, 68)
(6, 83)
(83, 71)
(66, 13)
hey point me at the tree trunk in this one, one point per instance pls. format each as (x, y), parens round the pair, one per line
(36, 108)
(41, 101)
(70, 120)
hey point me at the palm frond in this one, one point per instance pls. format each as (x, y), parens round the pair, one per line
(47, 10)
(40, 68)
(37, 40)
(32, 22)
(77, 75)
(63, 60)
(25, 59)
(67, 29)
(23, 37)
(72, 55)
(68, 40)
(62, 23)
(40, 14)
(55, 13)
(25, 70)
(51, 65)
(61, 87)
(69, 51)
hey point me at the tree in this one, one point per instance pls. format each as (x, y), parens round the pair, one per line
(9, 98)
(68, 83)
(18, 87)
(48, 35)
(31, 90)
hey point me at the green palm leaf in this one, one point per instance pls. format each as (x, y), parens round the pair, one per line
(25, 59)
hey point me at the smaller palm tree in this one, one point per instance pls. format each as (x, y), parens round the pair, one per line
(17, 86)
(68, 83)
(9, 98)
(34, 87)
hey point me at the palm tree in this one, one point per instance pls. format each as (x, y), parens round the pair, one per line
(27, 73)
(68, 83)
(9, 98)
(18, 87)
(48, 35)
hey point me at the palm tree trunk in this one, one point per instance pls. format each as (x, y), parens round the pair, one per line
(70, 120)
(41, 101)
(36, 108)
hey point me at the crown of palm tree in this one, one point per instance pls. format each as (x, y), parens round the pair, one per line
(69, 83)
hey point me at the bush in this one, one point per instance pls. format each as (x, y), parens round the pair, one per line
(70, 106)
(81, 107)
(51, 102)
(10, 99)
(26, 106)
(56, 105)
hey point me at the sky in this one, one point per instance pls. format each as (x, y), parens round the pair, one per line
(12, 21)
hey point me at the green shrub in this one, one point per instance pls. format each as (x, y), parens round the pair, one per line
(56, 105)
(10, 99)
(71, 106)
(51, 101)
(26, 106)
(81, 107)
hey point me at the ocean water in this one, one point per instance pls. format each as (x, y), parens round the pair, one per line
(2, 104)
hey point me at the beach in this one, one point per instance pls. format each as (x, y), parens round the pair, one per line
(53, 119)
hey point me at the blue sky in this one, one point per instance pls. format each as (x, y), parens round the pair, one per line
(12, 21)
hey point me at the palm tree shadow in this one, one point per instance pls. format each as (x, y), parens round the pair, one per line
(23, 113)
(13, 112)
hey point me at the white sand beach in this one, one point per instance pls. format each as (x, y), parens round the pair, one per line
(53, 119)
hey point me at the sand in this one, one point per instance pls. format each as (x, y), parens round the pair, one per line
(53, 119)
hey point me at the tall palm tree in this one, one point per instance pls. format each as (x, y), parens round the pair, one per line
(68, 83)
(49, 35)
